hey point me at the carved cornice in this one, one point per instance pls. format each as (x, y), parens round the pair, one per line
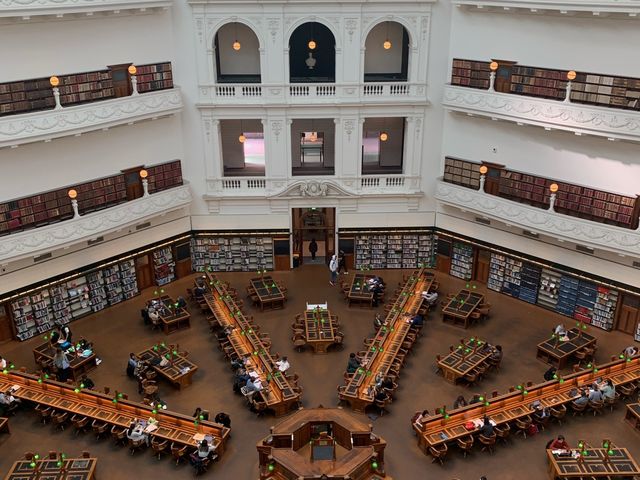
(48, 124)
(40, 240)
(593, 8)
(59, 8)
(563, 227)
(580, 119)
(313, 188)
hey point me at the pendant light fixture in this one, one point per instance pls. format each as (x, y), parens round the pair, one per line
(313, 136)
(384, 136)
(236, 44)
(241, 138)
(312, 43)
(387, 43)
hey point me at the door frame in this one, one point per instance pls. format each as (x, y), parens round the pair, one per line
(328, 234)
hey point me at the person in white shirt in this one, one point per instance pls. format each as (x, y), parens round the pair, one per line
(7, 399)
(136, 432)
(430, 298)
(283, 364)
(3, 363)
(153, 315)
(630, 351)
(560, 330)
(333, 267)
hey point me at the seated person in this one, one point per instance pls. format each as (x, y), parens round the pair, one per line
(417, 320)
(7, 399)
(583, 399)
(630, 351)
(3, 363)
(387, 383)
(253, 385)
(86, 382)
(223, 419)
(377, 291)
(474, 399)
(549, 374)
(135, 432)
(560, 330)
(430, 297)
(609, 390)
(283, 364)
(486, 429)
(53, 339)
(181, 302)
(353, 364)
(496, 355)
(378, 321)
(203, 451)
(154, 316)
(420, 417)
(541, 414)
(132, 364)
(381, 395)
(239, 363)
(595, 395)
(460, 402)
(559, 444)
(199, 291)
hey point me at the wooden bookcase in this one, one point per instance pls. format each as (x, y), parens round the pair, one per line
(155, 76)
(538, 82)
(462, 172)
(85, 87)
(606, 90)
(26, 96)
(525, 188)
(470, 73)
(164, 176)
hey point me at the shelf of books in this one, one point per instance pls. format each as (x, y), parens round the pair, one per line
(567, 295)
(164, 176)
(496, 272)
(393, 250)
(85, 87)
(378, 247)
(512, 272)
(538, 82)
(462, 172)
(156, 76)
(78, 292)
(26, 96)
(462, 261)
(128, 278)
(112, 284)
(529, 282)
(637, 334)
(60, 304)
(97, 291)
(549, 287)
(470, 73)
(163, 266)
(363, 252)
(232, 253)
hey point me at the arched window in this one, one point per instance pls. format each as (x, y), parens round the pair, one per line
(237, 54)
(312, 54)
(386, 57)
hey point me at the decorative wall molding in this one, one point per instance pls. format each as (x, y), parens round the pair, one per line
(563, 227)
(59, 235)
(73, 120)
(552, 115)
(591, 8)
(26, 9)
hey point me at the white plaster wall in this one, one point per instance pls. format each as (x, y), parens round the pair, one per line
(379, 60)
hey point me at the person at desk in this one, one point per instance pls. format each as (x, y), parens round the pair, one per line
(560, 330)
(377, 292)
(474, 399)
(486, 429)
(252, 386)
(86, 382)
(283, 364)
(135, 432)
(181, 302)
(342, 262)
(460, 402)
(417, 320)
(203, 451)
(3, 363)
(595, 395)
(199, 291)
(630, 351)
(583, 399)
(154, 316)
(61, 362)
(550, 374)
(378, 321)
(223, 419)
(132, 365)
(540, 414)
(353, 364)
(559, 444)
(7, 399)
(431, 298)
(496, 355)
(608, 390)
(420, 417)
(200, 413)
(381, 395)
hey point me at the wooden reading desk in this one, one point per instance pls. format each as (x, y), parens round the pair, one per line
(558, 353)
(172, 426)
(447, 427)
(464, 359)
(268, 292)
(633, 415)
(460, 307)
(278, 393)
(172, 318)
(318, 329)
(4, 425)
(359, 392)
(43, 356)
(619, 464)
(359, 290)
(48, 469)
(178, 371)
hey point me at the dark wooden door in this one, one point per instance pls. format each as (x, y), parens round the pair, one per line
(443, 264)
(628, 314)
(133, 182)
(503, 76)
(121, 79)
(6, 332)
(144, 272)
(492, 178)
(482, 266)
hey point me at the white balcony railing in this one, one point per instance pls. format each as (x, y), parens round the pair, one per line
(98, 115)
(25, 9)
(39, 240)
(303, 93)
(547, 222)
(612, 123)
(592, 8)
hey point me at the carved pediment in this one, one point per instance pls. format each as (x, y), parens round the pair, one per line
(313, 188)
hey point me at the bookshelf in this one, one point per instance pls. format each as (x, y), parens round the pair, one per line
(462, 261)
(604, 309)
(42, 311)
(462, 172)
(549, 287)
(606, 90)
(128, 278)
(637, 334)
(426, 251)
(496, 272)
(60, 304)
(26, 96)
(525, 188)
(529, 282)
(97, 292)
(85, 87)
(538, 82)
(585, 301)
(232, 253)
(470, 73)
(378, 247)
(112, 284)
(512, 272)
(396, 249)
(155, 76)
(363, 252)
(164, 176)
(79, 301)
(567, 295)
(164, 266)
(23, 319)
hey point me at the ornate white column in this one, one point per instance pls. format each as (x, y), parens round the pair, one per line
(338, 154)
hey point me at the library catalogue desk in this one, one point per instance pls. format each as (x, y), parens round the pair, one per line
(557, 352)
(170, 364)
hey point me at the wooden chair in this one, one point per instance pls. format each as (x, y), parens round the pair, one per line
(338, 338)
(523, 424)
(44, 412)
(542, 422)
(578, 409)
(503, 432)
(381, 404)
(438, 452)
(119, 434)
(80, 423)
(135, 445)
(465, 444)
(471, 378)
(596, 407)
(53, 455)
(558, 413)
(611, 402)
(86, 454)
(178, 452)
(159, 447)
(299, 342)
(488, 443)
(626, 391)
(99, 428)
(60, 419)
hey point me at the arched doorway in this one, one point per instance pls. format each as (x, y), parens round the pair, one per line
(237, 54)
(386, 57)
(313, 225)
(312, 54)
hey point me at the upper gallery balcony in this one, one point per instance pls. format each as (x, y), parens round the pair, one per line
(26, 10)
(591, 8)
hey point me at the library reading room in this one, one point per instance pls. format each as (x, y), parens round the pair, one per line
(320, 240)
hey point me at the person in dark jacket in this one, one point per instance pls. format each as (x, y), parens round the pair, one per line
(313, 248)
(353, 364)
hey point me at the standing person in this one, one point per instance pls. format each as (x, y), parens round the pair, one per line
(342, 262)
(132, 364)
(333, 266)
(313, 248)
(62, 364)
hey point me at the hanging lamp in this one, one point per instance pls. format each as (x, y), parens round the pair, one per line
(241, 138)
(384, 136)
(387, 43)
(312, 43)
(236, 44)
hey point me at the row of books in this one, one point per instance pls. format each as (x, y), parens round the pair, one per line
(393, 250)
(233, 254)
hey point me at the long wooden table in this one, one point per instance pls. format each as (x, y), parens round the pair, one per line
(318, 329)
(460, 307)
(280, 395)
(619, 464)
(43, 356)
(48, 469)
(359, 392)
(172, 426)
(557, 353)
(268, 292)
(171, 317)
(447, 427)
(178, 372)
(359, 290)
(464, 359)
(4, 425)
(633, 415)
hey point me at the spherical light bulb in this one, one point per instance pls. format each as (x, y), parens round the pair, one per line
(386, 44)
(312, 45)
(242, 138)
(571, 75)
(236, 45)
(54, 81)
(72, 194)
(132, 69)
(384, 136)
(144, 174)
(483, 169)
(553, 187)
(493, 66)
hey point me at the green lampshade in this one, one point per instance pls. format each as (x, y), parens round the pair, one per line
(77, 390)
(36, 456)
(481, 399)
(154, 411)
(271, 467)
(374, 465)
(120, 395)
(5, 371)
(446, 416)
(610, 452)
(39, 380)
(59, 463)
(32, 464)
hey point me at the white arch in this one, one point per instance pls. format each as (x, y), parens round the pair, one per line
(379, 20)
(312, 19)
(253, 27)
